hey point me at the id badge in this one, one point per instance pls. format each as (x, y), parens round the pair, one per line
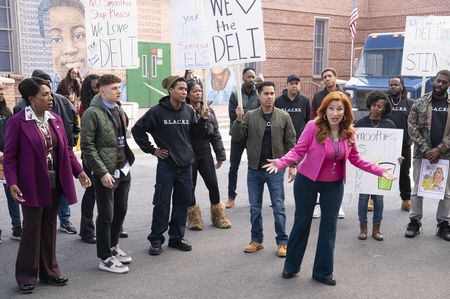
(121, 140)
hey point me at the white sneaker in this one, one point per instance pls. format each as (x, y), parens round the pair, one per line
(317, 211)
(120, 255)
(341, 213)
(111, 264)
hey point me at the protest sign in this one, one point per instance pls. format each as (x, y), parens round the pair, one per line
(433, 179)
(426, 47)
(379, 146)
(111, 31)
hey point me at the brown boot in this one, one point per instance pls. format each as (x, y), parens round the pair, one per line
(195, 221)
(230, 203)
(218, 216)
(376, 234)
(362, 231)
(370, 205)
(406, 205)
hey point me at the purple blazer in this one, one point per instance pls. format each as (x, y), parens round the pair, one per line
(312, 155)
(25, 162)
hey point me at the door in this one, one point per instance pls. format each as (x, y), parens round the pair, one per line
(144, 83)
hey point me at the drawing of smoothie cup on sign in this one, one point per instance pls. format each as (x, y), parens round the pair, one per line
(385, 184)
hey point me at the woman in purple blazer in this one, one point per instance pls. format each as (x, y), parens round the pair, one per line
(324, 147)
(38, 167)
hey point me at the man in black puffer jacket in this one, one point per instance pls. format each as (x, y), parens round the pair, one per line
(64, 108)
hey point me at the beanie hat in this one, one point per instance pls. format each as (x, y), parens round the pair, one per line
(41, 74)
(168, 82)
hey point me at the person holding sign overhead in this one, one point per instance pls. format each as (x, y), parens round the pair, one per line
(379, 106)
(249, 102)
(429, 128)
(324, 147)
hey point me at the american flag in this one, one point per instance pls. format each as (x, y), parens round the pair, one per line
(353, 18)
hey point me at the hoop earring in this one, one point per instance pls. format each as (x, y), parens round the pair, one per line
(325, 117)
(345, 118)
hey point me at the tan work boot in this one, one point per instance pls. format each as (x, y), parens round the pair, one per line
(376, 234)
(218, 216)
(282, 249)
(370, 205)
(406, 205)
(195, 221)
(362, 231)
(230, 203)
(253, 247)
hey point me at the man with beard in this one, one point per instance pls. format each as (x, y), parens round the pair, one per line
(401, 106)
(249, 102)
(429, 128)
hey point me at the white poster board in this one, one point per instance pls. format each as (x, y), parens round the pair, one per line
(433, 179)
(426, 47)
(235, 30)
(111, 34)
(189, 34)
(380, 146)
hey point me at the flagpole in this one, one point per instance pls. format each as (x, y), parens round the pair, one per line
(351, 58)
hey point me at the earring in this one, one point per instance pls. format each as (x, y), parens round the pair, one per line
(325, 117)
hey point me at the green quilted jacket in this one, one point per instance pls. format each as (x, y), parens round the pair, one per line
(99, 139)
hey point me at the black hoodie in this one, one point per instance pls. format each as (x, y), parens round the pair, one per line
(170, 130)
(298, 109)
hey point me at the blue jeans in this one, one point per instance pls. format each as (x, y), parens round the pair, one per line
(63, 210)
(179, 180)
(13, 208)
(305, 194)
(377, 207)
(236, 150)
(255, 182)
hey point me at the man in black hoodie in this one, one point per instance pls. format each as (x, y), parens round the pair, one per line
(169, 124)
(64, 108)
(294, 103)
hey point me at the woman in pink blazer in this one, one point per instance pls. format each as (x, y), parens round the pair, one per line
(38, 166)
(324, 147)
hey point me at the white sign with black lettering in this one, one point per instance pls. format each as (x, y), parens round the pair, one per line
(379, 146)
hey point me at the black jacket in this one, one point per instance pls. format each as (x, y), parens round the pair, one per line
(298, 109)
(64, 108)
(318, 99)
(202, 136)
(170, 129)
(3, 119)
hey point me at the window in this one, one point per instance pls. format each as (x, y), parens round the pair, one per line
(320, 59)
(8, 38)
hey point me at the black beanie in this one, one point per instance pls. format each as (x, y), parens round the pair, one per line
(41, 74)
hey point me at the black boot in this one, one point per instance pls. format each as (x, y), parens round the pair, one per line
(413, 228)
(443, 230)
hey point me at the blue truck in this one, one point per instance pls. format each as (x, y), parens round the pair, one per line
(380, 59)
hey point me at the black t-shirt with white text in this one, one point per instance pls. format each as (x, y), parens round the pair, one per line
(438, 120)
(266, 148)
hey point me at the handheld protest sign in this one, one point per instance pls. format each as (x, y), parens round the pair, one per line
(237, 71)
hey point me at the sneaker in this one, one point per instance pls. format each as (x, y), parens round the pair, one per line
(120, 255)
(113, 265)
(0, 236)
(406, 205)
(253, 247)
(316, 211)
(341, 214)
(282, 248)
(155, 249)
(123, 235)
(413, 228)
(444, 230)
(67, 228)
(16, 233)
(181, 244)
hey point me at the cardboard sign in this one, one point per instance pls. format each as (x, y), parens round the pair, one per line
(426, 47)
(236, 33)
(433, 179)
(380, 146)
(112, 36)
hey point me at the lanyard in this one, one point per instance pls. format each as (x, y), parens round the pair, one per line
(336, 153)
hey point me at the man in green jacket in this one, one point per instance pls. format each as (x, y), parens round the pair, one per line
(106, 153)
(270, 134)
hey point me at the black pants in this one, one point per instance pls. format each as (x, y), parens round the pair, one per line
(204, 163)
(112, 207)
(405, 181)
(236, 151)
(87, 228)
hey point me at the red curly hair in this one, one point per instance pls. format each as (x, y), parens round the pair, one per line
(346, 130)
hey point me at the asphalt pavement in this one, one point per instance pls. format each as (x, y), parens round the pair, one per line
(217, 267)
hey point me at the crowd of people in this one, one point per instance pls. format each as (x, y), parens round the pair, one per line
(313, 139)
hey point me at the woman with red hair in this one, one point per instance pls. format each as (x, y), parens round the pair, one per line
(324, 147)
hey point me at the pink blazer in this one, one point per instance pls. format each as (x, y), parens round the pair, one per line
(25, 163)
(312, 155)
